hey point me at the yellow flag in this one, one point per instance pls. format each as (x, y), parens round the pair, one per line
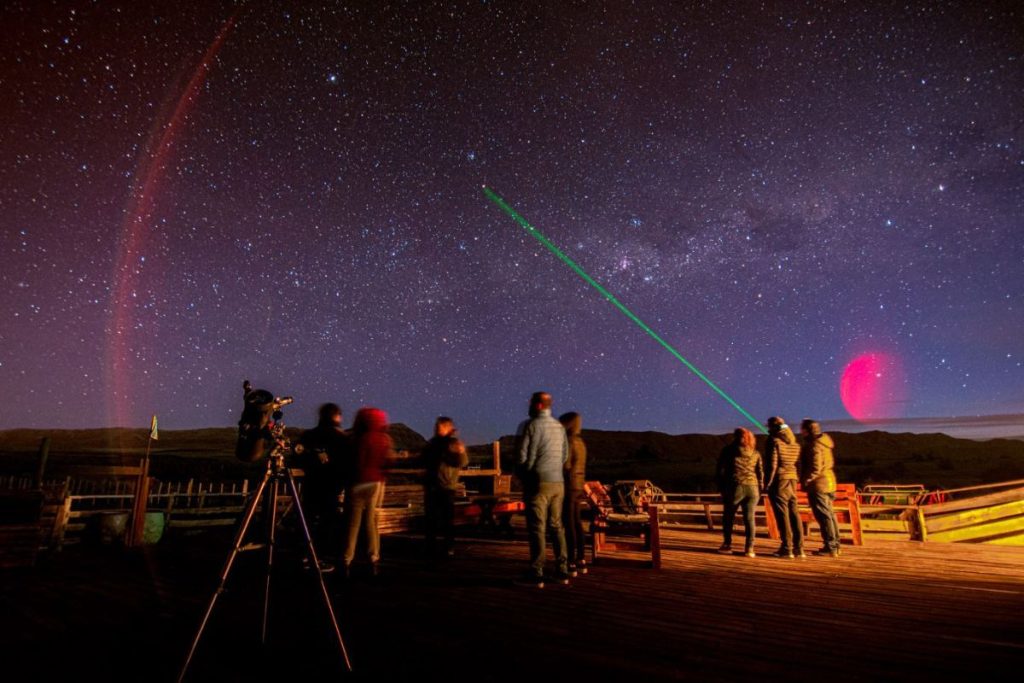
(152, 430)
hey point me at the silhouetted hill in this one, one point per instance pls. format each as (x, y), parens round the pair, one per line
(675, 462)
(686, 462)
(177, 454)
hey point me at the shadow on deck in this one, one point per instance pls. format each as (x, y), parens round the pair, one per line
(890, 611)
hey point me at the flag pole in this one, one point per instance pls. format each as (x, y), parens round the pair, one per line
(142, 489)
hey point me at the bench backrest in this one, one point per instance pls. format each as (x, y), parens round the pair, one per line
(597, 496)
(844, 492)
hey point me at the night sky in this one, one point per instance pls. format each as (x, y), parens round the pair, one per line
(195, 193)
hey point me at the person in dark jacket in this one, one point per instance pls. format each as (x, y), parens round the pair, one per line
(321, 454)
(817, 468)
(575, 478)
(372, 448)
(782, 456)
(444, 456)
(740, 473)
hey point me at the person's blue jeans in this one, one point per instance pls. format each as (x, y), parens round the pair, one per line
(744, 496)
(821, 506)
(544, 514)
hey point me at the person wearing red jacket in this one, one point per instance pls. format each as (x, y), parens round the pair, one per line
(372, 448)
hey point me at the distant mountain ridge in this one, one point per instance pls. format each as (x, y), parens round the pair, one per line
(683, 462)
(686, 462)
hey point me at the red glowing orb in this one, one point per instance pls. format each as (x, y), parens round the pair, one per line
(873, 387)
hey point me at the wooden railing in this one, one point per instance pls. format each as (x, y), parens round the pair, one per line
(989, 513)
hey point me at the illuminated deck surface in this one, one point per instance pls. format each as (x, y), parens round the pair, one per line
(886, 611)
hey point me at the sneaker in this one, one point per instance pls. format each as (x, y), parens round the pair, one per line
(582, 566)
(799, 552)
(562, 577)
(573, 571)
(725, 549)
(826, 552)
(749, 553)
(784, 553)
(530, 580)
(325, 567)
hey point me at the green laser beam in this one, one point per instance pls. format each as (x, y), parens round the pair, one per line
(501, 204)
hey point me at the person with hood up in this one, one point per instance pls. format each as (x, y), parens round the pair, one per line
(817, 469)
(782, 457)
(740, 476)
(372, 448)
(575, 478)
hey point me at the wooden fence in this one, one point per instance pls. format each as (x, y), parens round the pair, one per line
(991, 513)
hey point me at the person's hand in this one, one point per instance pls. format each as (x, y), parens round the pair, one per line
(323, 457)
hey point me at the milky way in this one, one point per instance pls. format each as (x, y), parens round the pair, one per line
(192, 194)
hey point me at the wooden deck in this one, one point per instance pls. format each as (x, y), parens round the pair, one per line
(896, 610)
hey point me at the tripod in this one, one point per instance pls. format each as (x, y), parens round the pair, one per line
(276, 475)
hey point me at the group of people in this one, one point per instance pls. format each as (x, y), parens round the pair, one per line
(551, 465)
(741, 477)
(352, 461)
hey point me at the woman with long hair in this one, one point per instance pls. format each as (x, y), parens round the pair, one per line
(740, 476)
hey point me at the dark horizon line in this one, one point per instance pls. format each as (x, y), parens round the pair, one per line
(840, 424)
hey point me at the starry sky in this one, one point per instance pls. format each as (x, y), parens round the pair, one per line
(195, 193)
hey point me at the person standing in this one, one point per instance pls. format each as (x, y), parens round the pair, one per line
(575, 478)
(321, 452)
(782, 456)
(542, 452)
(741, 477)
(372, 448)
(817, 467)
(444, 456)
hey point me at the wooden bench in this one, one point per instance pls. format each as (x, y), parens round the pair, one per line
(607, 521)
(490, 513)
(846, 506)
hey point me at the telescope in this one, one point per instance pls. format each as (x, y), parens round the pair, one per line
(256, 428)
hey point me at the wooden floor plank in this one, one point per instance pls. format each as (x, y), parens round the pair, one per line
(897, 610)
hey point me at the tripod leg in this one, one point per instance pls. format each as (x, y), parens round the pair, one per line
(239, 537)
(271, 535)
(319, 574)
